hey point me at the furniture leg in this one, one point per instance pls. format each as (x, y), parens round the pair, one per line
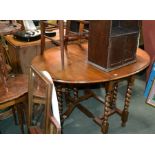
(105, 124)
(14, 114)
(60, 102)
(127, 100)
(67, 95)
(26, 113)
(75, 91)
(114, 95)
(20, 117)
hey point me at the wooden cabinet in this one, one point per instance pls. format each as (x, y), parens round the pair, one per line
(112, 44)
(22, 53)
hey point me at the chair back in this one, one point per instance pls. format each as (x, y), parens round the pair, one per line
(43, 105)
(76, 30)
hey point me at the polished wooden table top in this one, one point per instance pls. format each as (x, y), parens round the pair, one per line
(77, 70)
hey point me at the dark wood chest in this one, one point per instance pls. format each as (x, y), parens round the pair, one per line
(112, 44)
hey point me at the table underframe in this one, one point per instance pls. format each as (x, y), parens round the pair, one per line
(109, 105)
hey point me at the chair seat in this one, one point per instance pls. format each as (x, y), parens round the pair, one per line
(17, 87)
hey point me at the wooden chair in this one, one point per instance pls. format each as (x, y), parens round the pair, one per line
(13, 92)
(66, 35)
(43, 105)
(76, 30)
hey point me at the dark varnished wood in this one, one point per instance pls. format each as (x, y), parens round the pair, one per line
(127, 100)
(112, 43)
(108, 99)
(60, 100)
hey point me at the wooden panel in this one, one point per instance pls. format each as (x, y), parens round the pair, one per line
(14, 57)
(115, 51)
(130, 48)
(99, 42)
(130, 23)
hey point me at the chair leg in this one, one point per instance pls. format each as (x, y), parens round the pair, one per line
(25, 114)
(108, 99)
(60, 102)
(14, 115)
(20, 117)
(125, 112)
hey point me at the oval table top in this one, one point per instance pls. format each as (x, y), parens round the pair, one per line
(77, 70)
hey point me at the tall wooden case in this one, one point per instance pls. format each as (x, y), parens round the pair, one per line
(112, 44)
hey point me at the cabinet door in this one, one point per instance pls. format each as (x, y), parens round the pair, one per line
(130, 49)
(116, 50)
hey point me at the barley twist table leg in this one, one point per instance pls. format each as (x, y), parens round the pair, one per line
(114, 95)
(127, 100)
(75, 91)
(105, 124)
(67, 95)
(60, 100)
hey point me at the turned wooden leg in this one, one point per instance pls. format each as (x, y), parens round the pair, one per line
(67, 95)
(14, 114)
(26, 113)
(114, 96)
(75, 91)
(20, 116)
(60, 102)
(105, 124)
(127, 101)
